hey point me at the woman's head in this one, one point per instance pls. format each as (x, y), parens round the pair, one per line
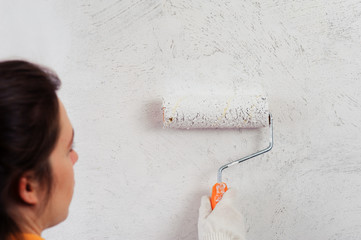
(33, 128)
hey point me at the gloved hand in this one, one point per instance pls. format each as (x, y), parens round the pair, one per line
(225, 222)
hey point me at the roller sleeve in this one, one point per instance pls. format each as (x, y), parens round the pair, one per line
(216, 111)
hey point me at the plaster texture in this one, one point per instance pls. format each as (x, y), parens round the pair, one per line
(136, 180)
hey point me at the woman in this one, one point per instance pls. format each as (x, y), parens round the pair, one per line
(37, 158)
(36, 155)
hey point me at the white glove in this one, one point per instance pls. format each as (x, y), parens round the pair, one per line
(225, 222)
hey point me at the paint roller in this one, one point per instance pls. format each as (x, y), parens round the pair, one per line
(219, 111)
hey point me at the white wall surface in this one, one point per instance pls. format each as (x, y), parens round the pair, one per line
(135, 180)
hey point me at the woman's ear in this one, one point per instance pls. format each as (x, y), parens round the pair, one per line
(28, 189)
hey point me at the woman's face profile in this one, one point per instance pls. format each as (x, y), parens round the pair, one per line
(62, 160)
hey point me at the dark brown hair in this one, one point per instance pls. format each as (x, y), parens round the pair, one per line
(29, 129)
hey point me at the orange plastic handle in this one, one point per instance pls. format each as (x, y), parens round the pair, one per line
(217, 193)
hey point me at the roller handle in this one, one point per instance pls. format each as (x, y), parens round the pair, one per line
(217, 193)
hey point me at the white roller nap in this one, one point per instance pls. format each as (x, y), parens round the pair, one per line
(215, 111)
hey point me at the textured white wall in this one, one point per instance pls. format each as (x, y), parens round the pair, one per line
(136, 180)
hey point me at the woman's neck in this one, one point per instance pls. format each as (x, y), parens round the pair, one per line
(27, 220)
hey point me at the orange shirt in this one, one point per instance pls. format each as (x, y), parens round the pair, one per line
(30, 236)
